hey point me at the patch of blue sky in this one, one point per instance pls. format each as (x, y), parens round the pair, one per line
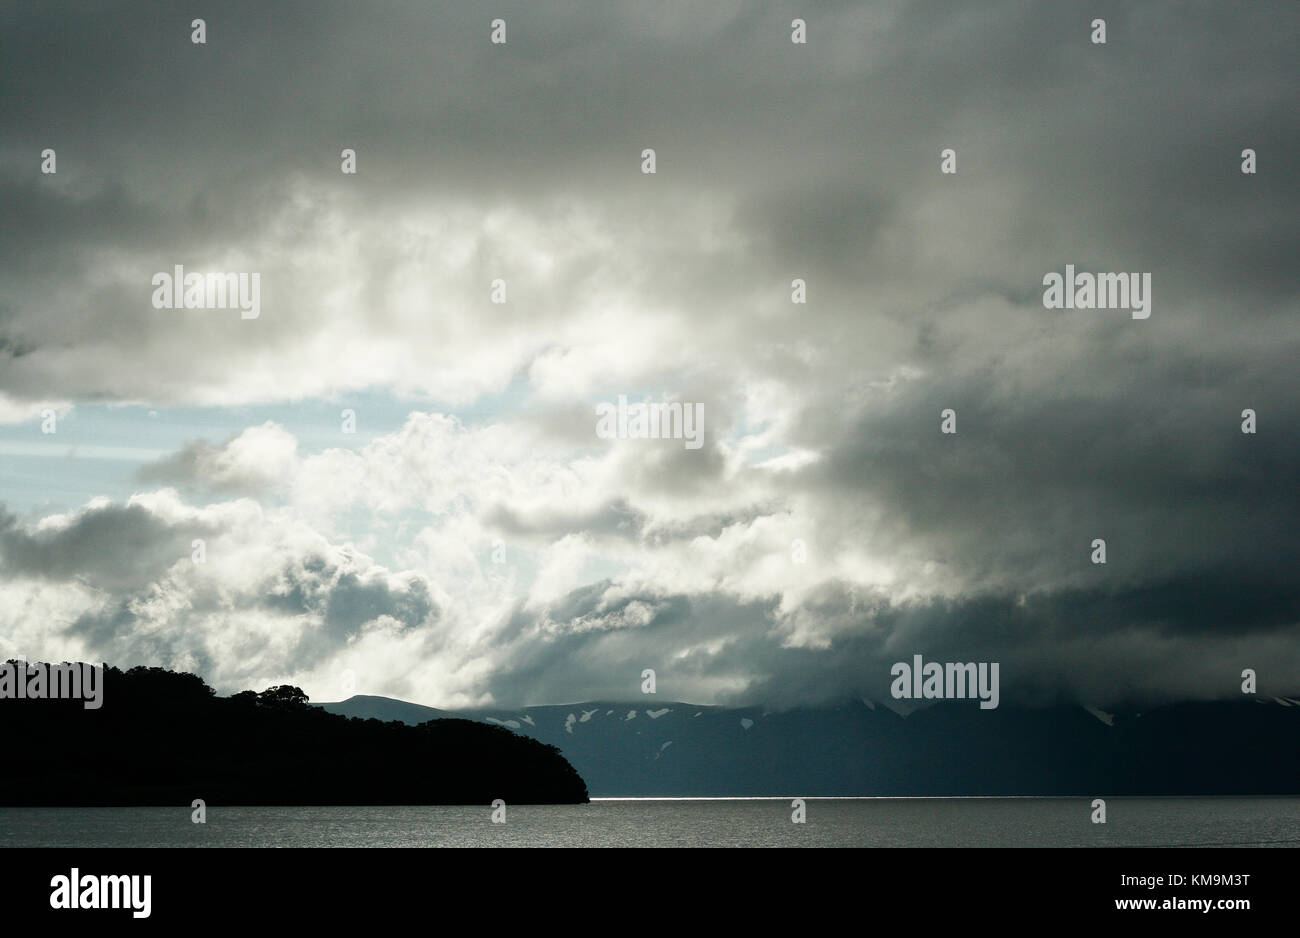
(97, 449)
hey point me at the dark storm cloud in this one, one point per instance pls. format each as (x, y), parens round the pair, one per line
(342, 601)
(107, 546)
(1152, 459)
(1121, 154)
(1172, 639)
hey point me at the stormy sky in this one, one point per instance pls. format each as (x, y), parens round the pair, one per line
(474, 541)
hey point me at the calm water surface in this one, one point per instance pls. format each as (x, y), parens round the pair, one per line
(874, 822)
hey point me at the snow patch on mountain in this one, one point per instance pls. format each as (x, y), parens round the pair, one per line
(1107, 718)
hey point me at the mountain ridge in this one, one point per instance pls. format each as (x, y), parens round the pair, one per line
(855, 747)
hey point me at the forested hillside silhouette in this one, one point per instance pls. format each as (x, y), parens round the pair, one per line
(165, 738)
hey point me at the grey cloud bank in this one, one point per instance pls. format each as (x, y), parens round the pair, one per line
(925, 291)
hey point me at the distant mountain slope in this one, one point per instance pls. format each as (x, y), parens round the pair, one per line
(385, 708)
(675, 749)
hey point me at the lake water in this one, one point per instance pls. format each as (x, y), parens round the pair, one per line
(834, 822)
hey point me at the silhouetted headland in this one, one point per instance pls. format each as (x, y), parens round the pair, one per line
(165, 738)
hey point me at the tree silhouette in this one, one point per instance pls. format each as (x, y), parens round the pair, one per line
(283, 697)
